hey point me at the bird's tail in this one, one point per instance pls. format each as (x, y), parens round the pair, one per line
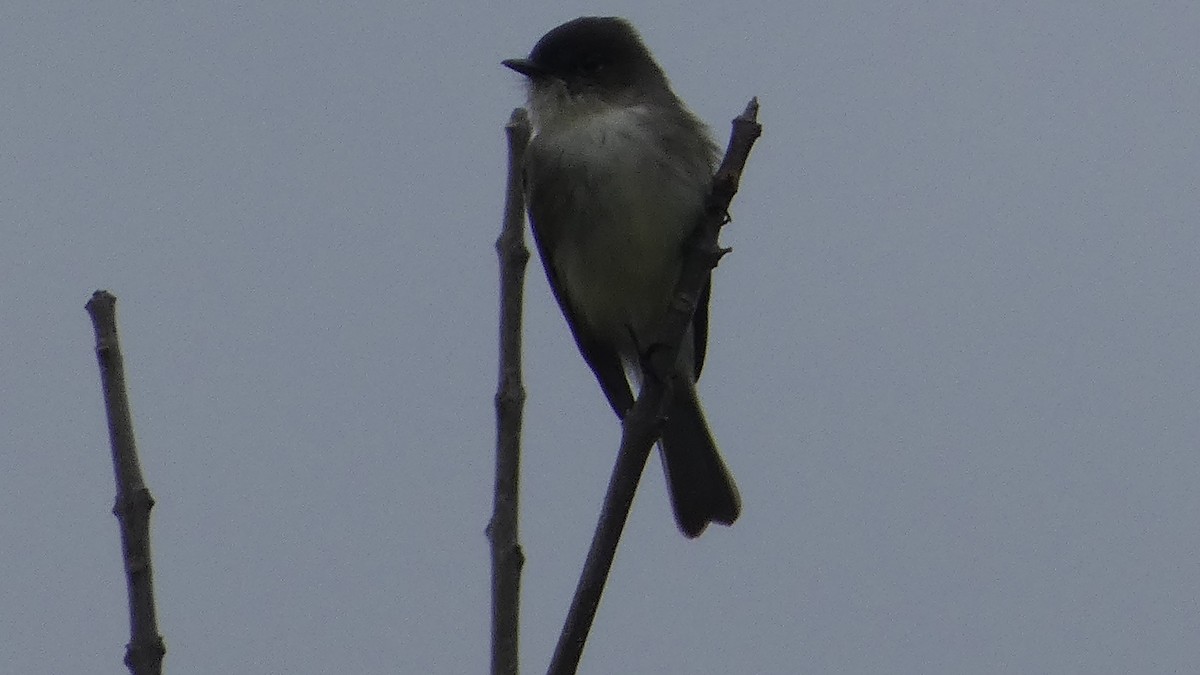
(702, 490)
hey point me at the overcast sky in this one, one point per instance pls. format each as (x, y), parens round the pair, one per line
(952, 364)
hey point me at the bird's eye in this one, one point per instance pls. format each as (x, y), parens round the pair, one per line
(590, 65)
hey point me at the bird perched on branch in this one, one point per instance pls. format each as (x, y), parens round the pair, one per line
(616, 177)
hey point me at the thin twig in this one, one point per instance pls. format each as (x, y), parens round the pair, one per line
(144, 653)
(507, 557)
(643, 425)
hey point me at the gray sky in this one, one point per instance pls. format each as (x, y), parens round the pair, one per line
(952, 365)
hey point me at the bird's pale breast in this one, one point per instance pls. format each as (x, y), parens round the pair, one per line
(618, 259)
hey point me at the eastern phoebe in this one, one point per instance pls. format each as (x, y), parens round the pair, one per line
(616, 177)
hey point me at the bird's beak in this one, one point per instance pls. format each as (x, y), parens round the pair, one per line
(526, 67)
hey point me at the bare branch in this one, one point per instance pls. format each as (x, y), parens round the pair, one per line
(507, 557)
(144, 653)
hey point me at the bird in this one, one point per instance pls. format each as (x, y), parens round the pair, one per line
(616, 177)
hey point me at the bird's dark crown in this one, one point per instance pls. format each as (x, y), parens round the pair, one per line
(597, 51)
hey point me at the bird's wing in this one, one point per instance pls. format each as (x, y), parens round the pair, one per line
(700, 326)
